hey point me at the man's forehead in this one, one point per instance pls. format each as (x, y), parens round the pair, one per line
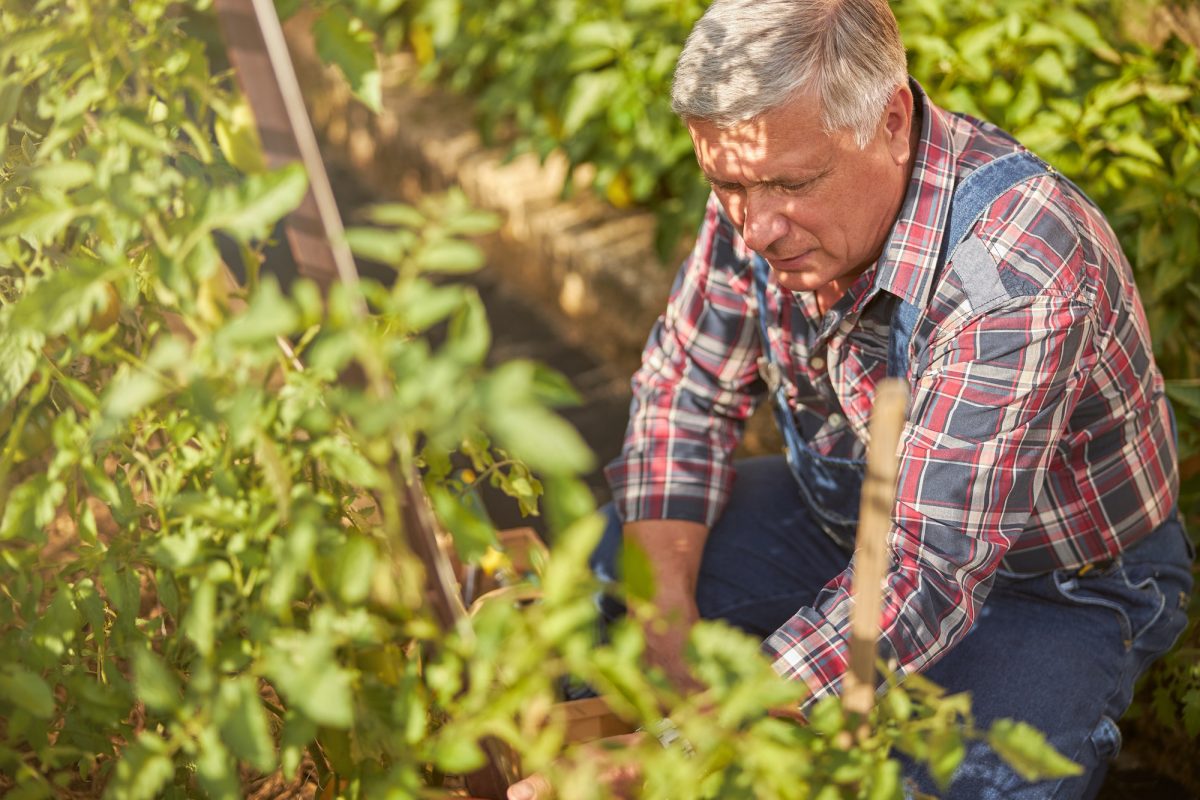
(783, 144)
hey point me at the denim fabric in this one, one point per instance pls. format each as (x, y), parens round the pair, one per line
(1060, 650)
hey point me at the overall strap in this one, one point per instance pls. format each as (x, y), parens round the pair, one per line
(974, 195)
(769, 368)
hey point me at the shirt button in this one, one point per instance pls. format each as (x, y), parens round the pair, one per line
(816, 362)
(836, 420)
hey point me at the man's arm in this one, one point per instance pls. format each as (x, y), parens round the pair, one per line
(697, 385)
(987, 416)
(674, 548)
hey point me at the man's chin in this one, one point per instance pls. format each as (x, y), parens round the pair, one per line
(796, 281)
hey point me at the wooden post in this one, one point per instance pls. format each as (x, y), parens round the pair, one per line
(259, 55)
(870, 552)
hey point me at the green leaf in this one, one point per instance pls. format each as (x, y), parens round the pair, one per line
(200, 623)
(827, 716)
(1191, 712)
(66, 299)
(473, 533)
(354, 567)
(345, 463)
(142, 770)
(156, 684)
(268, 316)
(469, 335)
(30, 508)
(10, 96)
(450, 255)
(376, 244)
(258, 203)
(140, 135)
(946, 752)
(472, 223)
(27, 691)
(1051, 71)
(1135, 145)
(298, 732)
(345, 41)
(303, 668)
(1185, 393)
(637, 573)
(237, 137)
(27, 43)
(423, 304)
(523, 427)
(456, 753)
(590, 94)
(37, 220)
(127, 395)
(216, 770)
(20, 349)
(886, 782)
(244, 725)
(541, 439)
(1026, 750)
(63, 175)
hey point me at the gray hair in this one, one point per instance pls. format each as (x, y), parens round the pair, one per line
(747, 57)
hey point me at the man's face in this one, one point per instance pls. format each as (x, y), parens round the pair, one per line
(817, 207)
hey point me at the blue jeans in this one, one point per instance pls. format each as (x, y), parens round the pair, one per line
(1058, 650)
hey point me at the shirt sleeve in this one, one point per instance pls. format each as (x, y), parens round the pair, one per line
(987, 415)
(697, 385)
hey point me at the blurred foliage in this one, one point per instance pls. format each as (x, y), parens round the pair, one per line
(589, 79)
(204, 574)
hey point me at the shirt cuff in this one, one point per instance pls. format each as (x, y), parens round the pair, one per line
(809, 649)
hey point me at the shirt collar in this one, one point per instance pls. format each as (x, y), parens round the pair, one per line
(909, 259)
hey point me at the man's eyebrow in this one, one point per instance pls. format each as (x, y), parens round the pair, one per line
(770, 184)
(720, 184)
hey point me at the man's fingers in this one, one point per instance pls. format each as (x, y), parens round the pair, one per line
(535, 787)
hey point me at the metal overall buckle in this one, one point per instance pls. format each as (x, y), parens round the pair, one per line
(771, 373)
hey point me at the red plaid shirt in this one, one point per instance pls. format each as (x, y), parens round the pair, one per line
(1038, 433)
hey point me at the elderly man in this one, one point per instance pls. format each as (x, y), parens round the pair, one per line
(857, 231)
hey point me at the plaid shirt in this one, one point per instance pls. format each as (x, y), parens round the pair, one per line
(1037, 436)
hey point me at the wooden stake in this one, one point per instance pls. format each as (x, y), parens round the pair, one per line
(260, 58)
(870, 551)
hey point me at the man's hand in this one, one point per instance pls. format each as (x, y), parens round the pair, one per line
(674, 549)
(621, 779)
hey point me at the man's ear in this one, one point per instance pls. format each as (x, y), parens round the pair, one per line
(897, 124)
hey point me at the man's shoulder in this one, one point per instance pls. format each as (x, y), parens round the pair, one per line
(1041, 236)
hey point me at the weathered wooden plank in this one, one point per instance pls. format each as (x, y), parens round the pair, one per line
(257, 49)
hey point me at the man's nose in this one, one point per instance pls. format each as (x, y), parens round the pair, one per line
(762, 225)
